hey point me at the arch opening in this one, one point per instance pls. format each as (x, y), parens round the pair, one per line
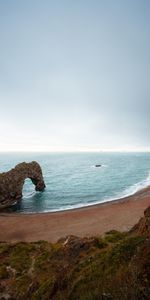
(28, 188)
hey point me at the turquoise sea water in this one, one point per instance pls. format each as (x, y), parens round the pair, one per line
(72, 180)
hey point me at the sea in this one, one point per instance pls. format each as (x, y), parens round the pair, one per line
(73, 180)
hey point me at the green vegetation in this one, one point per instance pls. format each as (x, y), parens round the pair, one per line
(114, 236)
(116, 266)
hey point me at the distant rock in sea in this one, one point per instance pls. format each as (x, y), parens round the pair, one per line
(11, 182)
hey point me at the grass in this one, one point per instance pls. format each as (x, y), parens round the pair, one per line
(113, 267)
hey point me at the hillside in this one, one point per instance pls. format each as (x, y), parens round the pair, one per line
(115, 266)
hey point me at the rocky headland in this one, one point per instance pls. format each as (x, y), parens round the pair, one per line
(11, 182)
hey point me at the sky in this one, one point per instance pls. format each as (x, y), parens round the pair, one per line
(74, 75)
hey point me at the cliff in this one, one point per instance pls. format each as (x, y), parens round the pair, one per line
(116, 266)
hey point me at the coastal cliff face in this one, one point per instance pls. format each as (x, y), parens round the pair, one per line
(143, 226)
(115, 266)
(11, 182)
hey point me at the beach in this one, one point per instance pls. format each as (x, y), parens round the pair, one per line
(120, 215)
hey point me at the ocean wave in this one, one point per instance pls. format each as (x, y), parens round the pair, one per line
(29, 195)
(136, 187)
(126, 193)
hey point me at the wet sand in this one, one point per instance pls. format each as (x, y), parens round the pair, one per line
(120, 214)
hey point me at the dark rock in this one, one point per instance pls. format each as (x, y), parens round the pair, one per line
(11, 182)
(75, 245)
(143, 226)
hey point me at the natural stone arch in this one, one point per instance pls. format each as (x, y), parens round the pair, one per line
(11, 182)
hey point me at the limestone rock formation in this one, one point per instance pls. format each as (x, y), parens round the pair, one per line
(11, 182)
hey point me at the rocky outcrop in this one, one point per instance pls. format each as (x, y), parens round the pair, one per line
(11, 182)
(143, 226)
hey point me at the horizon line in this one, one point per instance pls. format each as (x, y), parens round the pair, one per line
(78, 151)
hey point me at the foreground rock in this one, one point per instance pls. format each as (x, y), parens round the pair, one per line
(143, 226)
(116, 266)
(11, 182)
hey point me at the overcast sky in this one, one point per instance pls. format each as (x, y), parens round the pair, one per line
(74, 75)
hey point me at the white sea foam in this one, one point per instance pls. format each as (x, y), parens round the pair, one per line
(136, 187)
(29, 195)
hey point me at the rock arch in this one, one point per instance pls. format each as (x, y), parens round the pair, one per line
(11, 182)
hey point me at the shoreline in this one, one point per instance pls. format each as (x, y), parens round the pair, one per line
(120, 214)
(103, 202)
